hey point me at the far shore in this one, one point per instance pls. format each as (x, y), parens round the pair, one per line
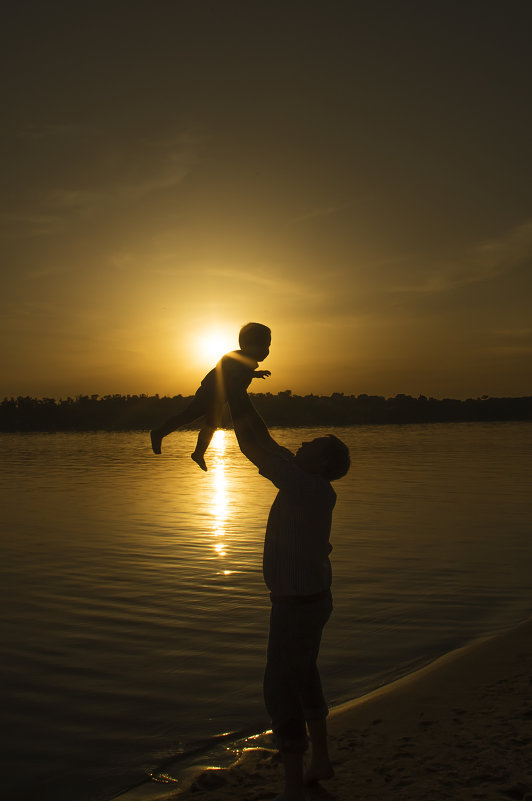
(284, 409)
(459, 729)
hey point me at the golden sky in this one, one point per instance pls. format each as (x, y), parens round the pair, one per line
(356, 175)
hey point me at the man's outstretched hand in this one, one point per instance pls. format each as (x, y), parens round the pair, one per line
(253, 436)
(261, 374)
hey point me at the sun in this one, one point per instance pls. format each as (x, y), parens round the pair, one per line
(211, 345)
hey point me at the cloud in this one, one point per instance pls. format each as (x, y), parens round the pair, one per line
(326, 211)
(16, 226)
(273, 283)
(482, 262)
(158, 165)
(42, 131)
(518, 340)
(163, 165)
(144, 169)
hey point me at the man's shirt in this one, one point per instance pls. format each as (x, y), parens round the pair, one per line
(297, 547)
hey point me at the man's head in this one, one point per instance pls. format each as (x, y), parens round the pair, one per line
(328, 456)
(255, 339)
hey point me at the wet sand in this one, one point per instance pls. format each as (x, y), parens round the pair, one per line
(459, 729)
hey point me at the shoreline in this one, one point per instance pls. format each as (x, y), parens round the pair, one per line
(459, 728)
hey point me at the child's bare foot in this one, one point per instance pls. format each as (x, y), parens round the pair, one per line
(198, 458)
(316, 772)
(156, 440)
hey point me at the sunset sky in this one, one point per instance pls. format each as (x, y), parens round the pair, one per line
(356, 175)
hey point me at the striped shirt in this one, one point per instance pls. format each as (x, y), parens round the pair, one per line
(297, 548)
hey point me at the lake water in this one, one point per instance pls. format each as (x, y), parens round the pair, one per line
(135, 617)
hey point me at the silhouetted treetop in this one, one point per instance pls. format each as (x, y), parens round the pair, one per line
(143, 412)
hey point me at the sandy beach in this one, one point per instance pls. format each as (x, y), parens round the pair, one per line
(460, 729)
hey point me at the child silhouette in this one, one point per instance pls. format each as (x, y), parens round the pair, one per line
(208, 402)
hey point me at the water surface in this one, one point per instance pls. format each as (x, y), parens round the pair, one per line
(135, 617)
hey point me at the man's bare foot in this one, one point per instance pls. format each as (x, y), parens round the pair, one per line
(198, 458)
(318, 772)
(156, 440)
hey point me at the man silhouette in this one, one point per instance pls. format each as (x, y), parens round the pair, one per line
(297, 572)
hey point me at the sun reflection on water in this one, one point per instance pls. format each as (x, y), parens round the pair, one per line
(219, 503)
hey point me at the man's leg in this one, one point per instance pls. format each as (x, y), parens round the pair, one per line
(293, 692)
(314, 704)
(282, 698)
(320, 764)
(293, 777)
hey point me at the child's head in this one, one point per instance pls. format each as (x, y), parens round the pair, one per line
(254, 339)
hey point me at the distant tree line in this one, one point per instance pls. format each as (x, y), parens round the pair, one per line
(142, 412)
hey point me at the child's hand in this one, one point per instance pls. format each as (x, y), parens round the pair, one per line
(262, 374)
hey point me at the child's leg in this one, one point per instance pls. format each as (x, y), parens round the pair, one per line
(204, 438)
(213, 419)
(194, 410)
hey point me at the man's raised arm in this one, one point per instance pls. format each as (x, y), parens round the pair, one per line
(251, 431)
